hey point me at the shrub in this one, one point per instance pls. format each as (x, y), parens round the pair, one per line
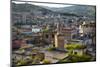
(75, 46)
(46, 61)
(22, 62)
(51, 48)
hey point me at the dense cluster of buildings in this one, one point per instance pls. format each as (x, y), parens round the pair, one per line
(59, 26)
(52, 30)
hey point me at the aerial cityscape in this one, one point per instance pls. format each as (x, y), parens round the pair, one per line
(45, 33)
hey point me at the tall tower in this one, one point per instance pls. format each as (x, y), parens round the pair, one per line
(59, 38)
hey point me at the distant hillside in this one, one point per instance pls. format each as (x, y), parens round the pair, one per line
(28, 8)
(77, 10)
(34, 8)
(84, 10)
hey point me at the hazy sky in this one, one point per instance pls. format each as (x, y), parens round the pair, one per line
(46, 4)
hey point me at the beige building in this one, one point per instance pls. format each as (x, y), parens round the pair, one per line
(63, 36)
(86, 28)
(59, 41)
